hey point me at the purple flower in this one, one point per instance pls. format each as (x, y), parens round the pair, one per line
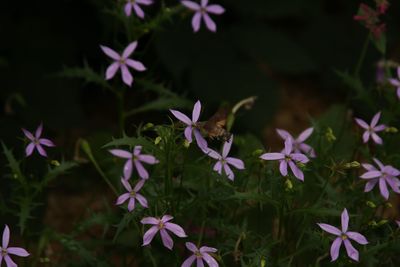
(224, 161)
(396, 82)
(191, 125)
(385, 174)
(201, 12)
(122, 62)
(372, 129)
(298, 143)
(162, 225)
(398, 223)
(135, 158)
(200, 255)
(37, 142)
(132, 195)
(287, 157)
(343, 236)
(5, 250)
(135, 5)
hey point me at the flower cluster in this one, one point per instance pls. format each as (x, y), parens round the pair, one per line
(369, 17)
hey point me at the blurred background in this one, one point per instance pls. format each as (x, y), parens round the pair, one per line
(285, 52)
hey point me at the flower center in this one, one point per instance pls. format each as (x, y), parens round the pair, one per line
(132, 193)
(203, 10)
(198, 254)
(122, 61)
(288, 158)
(343, 237)
(160, 225)
(35, 141)
(3, 251)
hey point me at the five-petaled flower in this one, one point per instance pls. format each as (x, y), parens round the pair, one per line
(136, 158)
(396, 82)
(287, 157)
(122, 62)
(6, 251)
(162, 225)
(224, 161)
(37, 142)
(343, 236)
(200, 255)
(135, 5)
(385, 174)
(132, 194)
(298, 143)
(201, 12)
(192, 126)
(372, 129)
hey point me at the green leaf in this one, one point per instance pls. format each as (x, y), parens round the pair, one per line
(14, 165)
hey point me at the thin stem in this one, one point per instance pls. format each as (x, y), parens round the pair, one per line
(201, 233)
(121, 115)
(362, 57)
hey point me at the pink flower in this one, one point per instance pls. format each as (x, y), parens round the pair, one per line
(396, 82)
(201, 12)
(122, 62)
(298, 143)
(398, 223)
(5, 250)
(224, 161)
(372, 129)
(343, 236)
(132, 195)
(385, 175)
(162, 225)
(288, 158)
(37, 142)
(200, 255)
(134, 158)
(191, 126)
(135, 5)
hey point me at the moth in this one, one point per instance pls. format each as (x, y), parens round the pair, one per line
(215, 126)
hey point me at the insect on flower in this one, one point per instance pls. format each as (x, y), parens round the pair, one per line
(200, 255)
(344, 236)
(201, 13)
(37, 142)
(6, 251)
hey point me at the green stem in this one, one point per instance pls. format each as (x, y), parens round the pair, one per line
(201, 233)
(362, 57)
(121, 115)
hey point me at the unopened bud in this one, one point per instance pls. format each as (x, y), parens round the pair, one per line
(157, 140)
(288, 185)
(391, 130)
(263, 262)
(352, 165)
(186, 143)
(372, 223)
(382, 222)
(55, 163)
(329, 135)
(148, 126)
(300, 164)
(257, 152)
(388, 205)
(371, 204)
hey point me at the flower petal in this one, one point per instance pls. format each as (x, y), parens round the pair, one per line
(283, 167)
(371, 174)
(149, 159)
(383, 188)
(362, 123)
(28, 134)
(215, 9)
(18, 251)
(41, 150)
(296, 171)
(142, 200)
(227, 147)
(166, 239)
(394, 183)
(201, 142)
(109, 52)
(359, 238)
(370, 185)
(345, 220)
(199, 262)
(237, 163)
(288, 146)
(189, 261)
(126, 75)
(39, 131)
(375, 119)
(218, 167)
(272, 156)
(131, 204)
(150, 220)
(188, 133)
(365, 136)
(305, 135)
(176, 229)
(139, 11)
(6, 237)
(9, 261)
(191, 246)
(308, 150)
(379, 163)
(139, 185)
(46, 142)
(335, 248)
(283, 134)
(121, 153)
(299, 157)
(210, 260)
(213, 154)
(122, 198)
(204, 3)
(379, 128)
(191, 5)
(196, 111)
(376, 139)
(205, 249)
(129, 49)
(182, 117)
(137, 65)
(209, 22)
(166, 218)
(196, 21)
(141, 170)
(330, 229)
(111, 70)
(149, 235)
(29, 149)
(128, 9)
(229, 172)
(351, 251)
(368, 167)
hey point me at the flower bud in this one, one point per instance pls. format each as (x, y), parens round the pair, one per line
(391, 130)
(257, 152)
(288, 185)
(329, 135)
(148, 126)
(186, 143)
(55, 163)
(352, 165)
(157, 140)
(371, 204)
(263, 262)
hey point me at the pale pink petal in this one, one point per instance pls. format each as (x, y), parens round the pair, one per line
(376, 139)
(214, 154)
(398, 92)
(150, 220)
(128, 9)
(144, 2)
(9, 261)
(166, 218)
(345, 220)
(6, 237)
(46, 142)
(149, 159)
(215, 9)
(218, 167)
(111, 70)
(18, 251)
(383, 188)
(370, 185)
(196, 111)
(210, 260)
(204, 3)
(137, 150)
(359, 238)
(29, 149)
(394, 82)
(131, 204)
(379, 128)
(188, 133)
(308, 150)
(205, 249)
(142, 200)
(139, 185)
(368, 167)
(149, 235)
(229, 172)
(28, 134)
(394, 183)
(335, 248)
(126, 184)
(391, 171)
(176, 229)
(299, 157)
(137, 65)
(283, 167)
(305, 135)
(189, 261)
(109, 52)
(190, 246)
(237, 163)
(288, 146)
(199, 262)
(182, 117)
(122, 198)
(362, 123)
(196, 21)
(351, 251)
(39, 131)
(379, 163)
(41, 150)
(121, 153)
(191, 5)
(166, 239)
(227, 147)
(128, 169)
(141, 170)
(371, 174)
(129, 49)
(375, 119)
(366, 136)
(330, 229)
(201, 142)
(126, 75)
(296, 171)
(209, 22)
(139, 11)
(272, 156)
(283, 134)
